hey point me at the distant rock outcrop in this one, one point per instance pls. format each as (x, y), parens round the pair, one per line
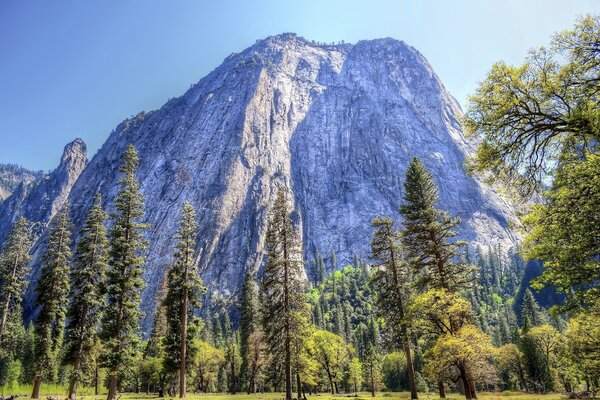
(39, 199)
(12, 175)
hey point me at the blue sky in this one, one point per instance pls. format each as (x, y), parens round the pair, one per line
(77, 68)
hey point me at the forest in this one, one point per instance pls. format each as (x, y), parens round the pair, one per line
(425, 313)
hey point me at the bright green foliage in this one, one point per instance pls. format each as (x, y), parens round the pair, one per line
(120, 323)
(438, 312)
(13, 280)
(511, 367)
(332, 353)
(531, 114)
(207, 363)
(355, 374)
(467, 349)
(392, 278)
(52, 289)
(87, 290)
(583, 342)
(426, 234)
(393, 368)
(541, 346)
(284, 308)
(565, 232)
(182, 299)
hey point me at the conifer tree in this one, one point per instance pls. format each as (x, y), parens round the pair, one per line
(284, 298)
(426, 240)
(426, 234)
(532, 314)
(182, 298)
(87, 291)
(52, 290)
(120, 322)
(391, 280)
(13, 276)
(249, 324)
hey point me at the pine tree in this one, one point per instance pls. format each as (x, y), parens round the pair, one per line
(52, 290)
(182, 299)
(14, 270)
(249, 324)
(426, 234)
(87, 291)
(391, 279)
(120, 322)
(284, 298)
(426, 240)
(532, 314)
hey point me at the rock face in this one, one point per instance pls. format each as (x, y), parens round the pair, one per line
(11, 176)
(336, 125)
(39, 199)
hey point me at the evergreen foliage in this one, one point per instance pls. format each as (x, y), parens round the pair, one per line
(87, 291)
(391, 279)
(426, 234)
(120, 323)
(182, 299)
(14, 260)
(52, 290)
(284, 309)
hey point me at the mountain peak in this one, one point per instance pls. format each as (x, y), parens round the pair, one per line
(336, 125)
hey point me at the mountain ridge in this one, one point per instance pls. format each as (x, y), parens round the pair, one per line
(336, 125)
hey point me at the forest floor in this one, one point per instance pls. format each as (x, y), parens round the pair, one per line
(57, 394)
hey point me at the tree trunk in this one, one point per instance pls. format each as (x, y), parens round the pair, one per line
(405, 338)
(441, 389)
(372, 380)
(112, 385)
(471, 384)
(37, 381)
(96, 379)
(330, 382)
(465, 383)
(75, 377)
(409, 366)
(299, 384)
(183, 349)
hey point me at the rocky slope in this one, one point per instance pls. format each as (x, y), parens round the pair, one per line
(38, 200)
(12, 175)
(336, 125)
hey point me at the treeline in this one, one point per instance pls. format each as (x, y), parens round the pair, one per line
(421, 315)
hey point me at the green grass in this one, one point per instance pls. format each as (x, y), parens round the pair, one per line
(86, 394)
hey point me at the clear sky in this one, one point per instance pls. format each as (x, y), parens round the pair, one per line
(77, 68)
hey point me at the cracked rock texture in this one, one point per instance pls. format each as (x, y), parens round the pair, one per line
(337, 125)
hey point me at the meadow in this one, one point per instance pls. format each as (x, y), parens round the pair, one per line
(59, 392)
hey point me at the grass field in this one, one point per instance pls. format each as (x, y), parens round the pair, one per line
(60, 393)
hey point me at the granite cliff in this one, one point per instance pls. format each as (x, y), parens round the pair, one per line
(337, 125)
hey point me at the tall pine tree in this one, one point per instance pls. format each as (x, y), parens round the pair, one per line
(182, 298)
(427, 230)
(391, 278)
(284, 297)
(249, 325)
(13, 275)
(87, 291)
(426, 240)
(120, 322)
(52, 290)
